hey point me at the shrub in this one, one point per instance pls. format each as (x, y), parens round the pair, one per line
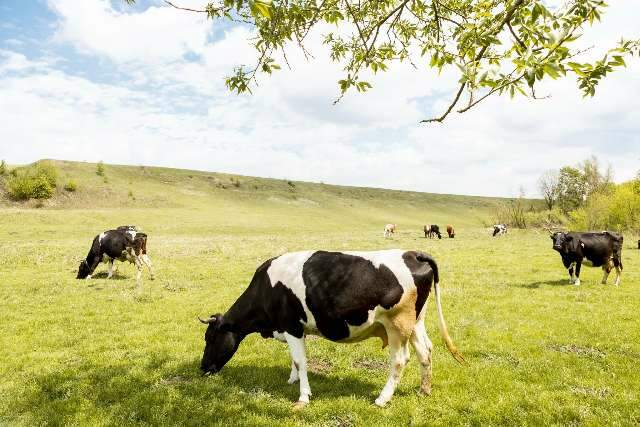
(100, 168)
(27, 187)
(3, 167)
(71, 186)
(35, 182)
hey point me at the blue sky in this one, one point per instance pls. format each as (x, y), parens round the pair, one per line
(98, 80)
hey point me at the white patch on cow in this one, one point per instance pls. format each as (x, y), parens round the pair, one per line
(577, 282)
(287, 269)
(131, 233)
(101, 237)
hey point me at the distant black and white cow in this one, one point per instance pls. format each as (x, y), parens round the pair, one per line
(499, 229)
(600, 250)
(431, 231)
(115, 245)
(342, 296)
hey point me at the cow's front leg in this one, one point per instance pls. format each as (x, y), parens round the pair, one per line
(399, 352)
(110, 270)
(299, 358)
(577, 281)
(570, 269)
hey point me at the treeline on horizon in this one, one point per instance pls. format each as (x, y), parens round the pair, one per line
(580, 197)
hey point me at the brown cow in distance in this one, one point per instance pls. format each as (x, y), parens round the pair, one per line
(451, 232)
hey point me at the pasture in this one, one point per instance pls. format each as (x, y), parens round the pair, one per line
(538, 350)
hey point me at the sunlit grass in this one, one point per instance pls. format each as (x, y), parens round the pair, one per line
(96, 352)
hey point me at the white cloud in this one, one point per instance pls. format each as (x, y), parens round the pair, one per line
(289, 127)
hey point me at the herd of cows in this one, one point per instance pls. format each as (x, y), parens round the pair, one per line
(343, 296)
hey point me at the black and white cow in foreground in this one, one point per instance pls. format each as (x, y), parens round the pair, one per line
(499, 229)
(122, 245)
(342, 296)
(600, 249)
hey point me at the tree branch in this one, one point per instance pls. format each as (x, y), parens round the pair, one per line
(507, 17)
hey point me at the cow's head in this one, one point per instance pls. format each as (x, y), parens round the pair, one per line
(83, 270)
(563, 242)
(220, 344)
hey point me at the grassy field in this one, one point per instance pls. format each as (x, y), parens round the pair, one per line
(97, 352)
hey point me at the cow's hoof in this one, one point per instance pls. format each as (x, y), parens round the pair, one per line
(292, 380)
(576, 283)
(426, 390)
(299, 405)
(380, 403)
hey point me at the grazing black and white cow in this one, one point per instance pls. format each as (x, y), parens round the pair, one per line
(342, 296)
(600, 249)
(109, 246)
(499, 229)
(431, 231)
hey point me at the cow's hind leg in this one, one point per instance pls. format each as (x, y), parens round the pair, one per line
(423, 347)
(147, 261)
(618, 266)
(399, 352)
(299, 358)
(606, 269)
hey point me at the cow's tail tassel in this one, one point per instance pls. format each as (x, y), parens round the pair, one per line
(443, 328)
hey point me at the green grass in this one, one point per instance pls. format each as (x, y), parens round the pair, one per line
(96, 352)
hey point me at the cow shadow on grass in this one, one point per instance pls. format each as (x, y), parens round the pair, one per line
(536, 285)
(104, 274)
(161, 392)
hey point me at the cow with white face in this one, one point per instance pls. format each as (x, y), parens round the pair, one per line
(342, 296)
(389, 229)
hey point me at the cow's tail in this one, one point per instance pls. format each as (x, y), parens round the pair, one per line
(441, 323)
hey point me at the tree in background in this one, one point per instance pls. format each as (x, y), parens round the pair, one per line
(3, 168)
(549, 187)
(571, 188)
(495, 47)
(596, 180)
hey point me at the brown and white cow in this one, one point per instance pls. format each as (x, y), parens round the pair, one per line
(342, 296)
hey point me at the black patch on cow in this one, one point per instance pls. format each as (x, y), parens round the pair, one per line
(266, 309)
(341, 289)
(422, 271)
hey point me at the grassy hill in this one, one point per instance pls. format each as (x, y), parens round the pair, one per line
(228, 196)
